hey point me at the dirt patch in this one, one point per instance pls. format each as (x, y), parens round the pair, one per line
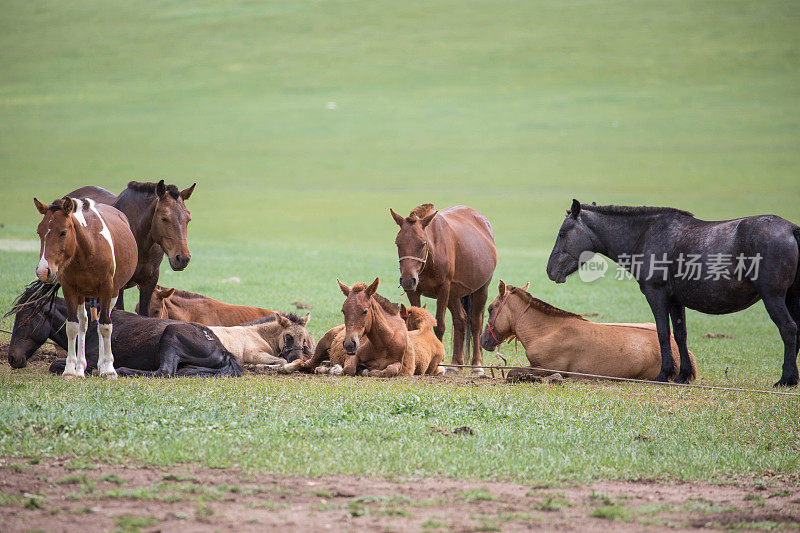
(53, 495)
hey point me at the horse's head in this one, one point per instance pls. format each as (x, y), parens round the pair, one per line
(417, 318)
(58, 237)
(158, 307)
(169, 227)
(413, 247)
(357, 310)
(574, 238)
(33, 325)
(500, 321)
(293, 336)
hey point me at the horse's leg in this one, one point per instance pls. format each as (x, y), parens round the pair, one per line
(120, 300)
(169, 349)
(442, 301)
(389, 372)
(659, 305)
(414, 298)
(83, 326)
(476, 322)
(677, 313)
(145, 294)
(793, 305)
(779, 313)
(459, 328)
(105, 360)
(73, 328)
(350, 365)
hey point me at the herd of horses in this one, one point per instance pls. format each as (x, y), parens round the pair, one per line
(95, 244)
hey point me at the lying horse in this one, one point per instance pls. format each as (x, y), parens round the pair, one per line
(428, 349)
(89, 250)
(193, 307)
(153, 346)
(712, 267)
(374, 340)
(559, 340)
(159, 219)
(448, 255)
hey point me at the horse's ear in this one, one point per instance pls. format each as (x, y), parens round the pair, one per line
(373, 288)
(403, 312)
(425, 306)
(166, 293)
(501, 288)
(39, 206)
(68, 205)
(306, 319)
(397, 218)
(594, 203)
(575, 209)
(525, 288)
(283, 321)
(427, 220)
(186, 193)
(345, 288)
(161, 189)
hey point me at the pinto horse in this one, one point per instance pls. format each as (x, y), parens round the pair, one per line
(559, 340)
(448, 255)
(681, 261)
(90, 251)
(159, 221)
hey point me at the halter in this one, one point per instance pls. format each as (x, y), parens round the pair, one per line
(490, 325)
(423, 260)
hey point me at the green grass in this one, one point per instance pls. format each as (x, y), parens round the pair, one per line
(511, 107)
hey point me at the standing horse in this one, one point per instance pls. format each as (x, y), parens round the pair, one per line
(159, 221)
(90, 251)
(559, 340)
(448, 255)
(746, 260)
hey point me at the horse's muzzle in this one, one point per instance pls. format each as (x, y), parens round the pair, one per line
(179, 261)
(487, 342)
(350, 347)
(409, 284)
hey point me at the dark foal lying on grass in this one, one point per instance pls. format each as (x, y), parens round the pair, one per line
(559, 340)
(159, 219)
(746, 260)
(163, 347)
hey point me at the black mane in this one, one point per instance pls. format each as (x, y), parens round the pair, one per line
(272, 318)
(632, 211)
(149, 187)
(541, 305)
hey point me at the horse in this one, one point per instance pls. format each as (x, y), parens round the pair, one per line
(162, 347)
(89, 250)
(559, 340)
(192, 307)
(159, 220)
(428, 349)
(373, 341)
(665, 249)
(448, 255)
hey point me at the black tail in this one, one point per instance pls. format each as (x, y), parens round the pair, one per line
(230, 368)
(796, 283)
(466, 303)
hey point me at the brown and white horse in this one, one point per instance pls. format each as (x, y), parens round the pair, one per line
(448, 255)
(90, 251)
(158, 217)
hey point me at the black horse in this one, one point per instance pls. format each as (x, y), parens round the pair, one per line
(681, 261)
(141, 344)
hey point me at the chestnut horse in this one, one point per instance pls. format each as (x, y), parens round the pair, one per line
(560, 340)
(90, 251)
(448, 255)
(193, 307)
(159, 221)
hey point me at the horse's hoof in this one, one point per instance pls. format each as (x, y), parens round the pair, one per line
(336, 370)
(365, 373)
(69, 377)
(683, 378)
(786, 383)
(109, 375)
(449, 370)
(478, 372)
(662, 378)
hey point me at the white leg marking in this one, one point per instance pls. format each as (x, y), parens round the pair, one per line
(71, 370)
(105, 363)
(104, 232)
(83, 325)
(336, 370)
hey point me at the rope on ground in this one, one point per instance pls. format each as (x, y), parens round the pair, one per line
(629, 380)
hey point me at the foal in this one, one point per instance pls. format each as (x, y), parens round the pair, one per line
(193, 307)
(90, 251)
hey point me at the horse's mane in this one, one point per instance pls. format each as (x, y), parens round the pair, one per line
(388, 306)
(57, 205)
(421, 211)
(542, 306)
(149, 187)
(272, 318)
(36, 296)
(631, 211)
(188, 295)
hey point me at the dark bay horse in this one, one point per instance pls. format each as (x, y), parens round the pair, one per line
(153, 346)
(448, 255)
(159, 221)
(89, 250)
(681, 261)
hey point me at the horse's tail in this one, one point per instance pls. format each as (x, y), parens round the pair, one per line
(230, 368)
(796, 232)
(693, 373)
(467, 304)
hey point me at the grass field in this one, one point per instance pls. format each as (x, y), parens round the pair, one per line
(303, 122)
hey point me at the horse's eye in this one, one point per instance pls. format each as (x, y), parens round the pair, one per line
(63, 233)
(365, 312)
(163, 219)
